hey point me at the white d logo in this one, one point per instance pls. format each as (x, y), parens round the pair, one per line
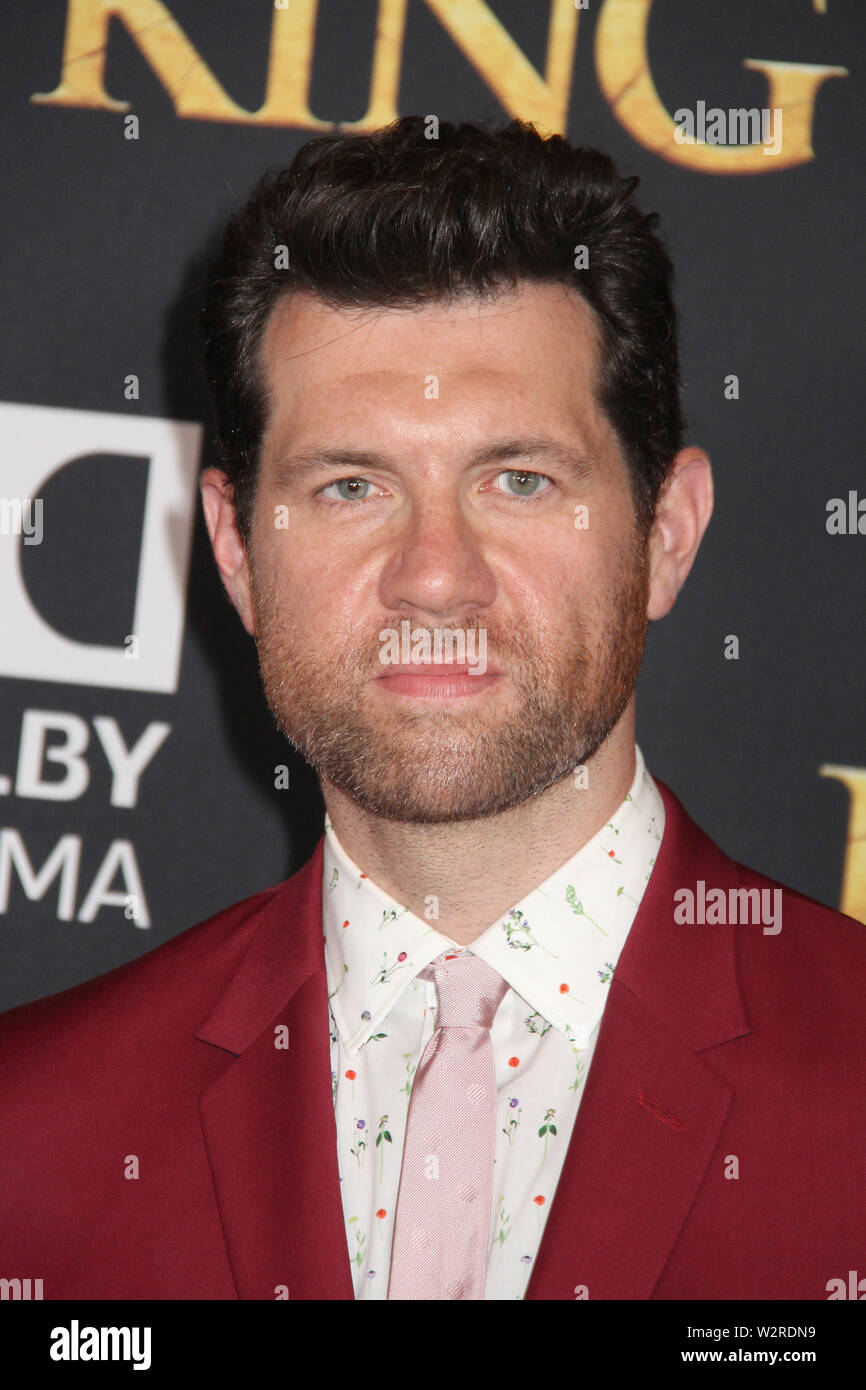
(38, 441)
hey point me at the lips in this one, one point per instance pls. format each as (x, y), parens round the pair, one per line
(441, 669)
(436, 681)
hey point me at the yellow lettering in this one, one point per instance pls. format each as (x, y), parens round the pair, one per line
(291, 63)
(624, 77)
(854, 873)
(194, 91)
(492, 52)
(620, 56)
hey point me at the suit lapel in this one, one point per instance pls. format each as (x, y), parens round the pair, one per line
(268, 1118)
(646, 1129)
(653, 1108)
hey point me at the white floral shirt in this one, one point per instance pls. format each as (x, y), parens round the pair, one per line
(557, 949)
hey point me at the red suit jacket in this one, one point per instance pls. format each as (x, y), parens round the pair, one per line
(718, 1151)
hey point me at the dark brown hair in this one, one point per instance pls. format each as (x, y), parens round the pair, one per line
(396, 219)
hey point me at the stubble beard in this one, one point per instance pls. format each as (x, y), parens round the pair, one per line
(430, 763)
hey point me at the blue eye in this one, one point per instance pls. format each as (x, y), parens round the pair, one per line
(352, 484)
(522, 476)
(527, 485)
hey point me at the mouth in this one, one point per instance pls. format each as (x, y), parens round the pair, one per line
(440, 680)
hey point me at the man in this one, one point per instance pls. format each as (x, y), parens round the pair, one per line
(519, 1029)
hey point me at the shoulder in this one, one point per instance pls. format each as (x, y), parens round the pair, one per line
(694, 852)
(788, 945)
(802, 945)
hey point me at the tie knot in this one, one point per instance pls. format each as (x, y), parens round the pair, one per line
(468, 991)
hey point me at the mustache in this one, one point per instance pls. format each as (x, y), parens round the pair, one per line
(497, 642)
(511, 645)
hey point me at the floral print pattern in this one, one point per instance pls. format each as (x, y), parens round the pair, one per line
(558, 950)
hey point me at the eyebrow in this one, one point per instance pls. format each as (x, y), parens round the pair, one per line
(326, 460)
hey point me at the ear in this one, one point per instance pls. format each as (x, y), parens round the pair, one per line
(682, 516)
(217, 496)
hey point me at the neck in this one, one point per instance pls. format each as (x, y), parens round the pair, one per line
(479, 869)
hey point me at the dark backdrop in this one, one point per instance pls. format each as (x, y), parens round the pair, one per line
(105, 240)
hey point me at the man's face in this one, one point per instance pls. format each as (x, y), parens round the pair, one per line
(485, 491)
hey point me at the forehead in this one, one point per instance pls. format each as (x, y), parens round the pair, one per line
(528, 357)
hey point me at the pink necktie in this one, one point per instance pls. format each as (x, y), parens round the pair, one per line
(442, 1225)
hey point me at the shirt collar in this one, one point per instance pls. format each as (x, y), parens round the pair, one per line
(557, 948)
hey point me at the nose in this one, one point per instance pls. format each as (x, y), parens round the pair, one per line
(436, 565)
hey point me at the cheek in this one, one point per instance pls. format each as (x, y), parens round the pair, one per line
(293, 580)
(581, 586)
(573, 569)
